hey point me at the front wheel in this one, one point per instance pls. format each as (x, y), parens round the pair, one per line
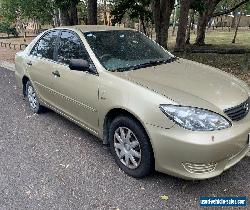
(131, 147)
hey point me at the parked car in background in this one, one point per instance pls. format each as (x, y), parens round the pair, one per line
(155, 111)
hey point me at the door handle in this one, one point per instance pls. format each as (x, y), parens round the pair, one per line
(56, 73)
(29, 63)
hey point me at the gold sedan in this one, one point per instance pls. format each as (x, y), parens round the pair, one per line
(155, 111)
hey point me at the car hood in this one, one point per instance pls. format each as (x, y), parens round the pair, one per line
(188, 83)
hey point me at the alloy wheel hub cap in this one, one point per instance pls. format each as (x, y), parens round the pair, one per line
(127, 147)
(32, 97)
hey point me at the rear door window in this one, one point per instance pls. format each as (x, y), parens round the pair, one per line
(45, 46)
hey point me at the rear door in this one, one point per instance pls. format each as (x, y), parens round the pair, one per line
(76, 91)
(41, 64)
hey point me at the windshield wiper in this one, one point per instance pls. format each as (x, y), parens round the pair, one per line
(153, 63)
(144, 65)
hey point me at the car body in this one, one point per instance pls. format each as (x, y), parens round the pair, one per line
(149, 95)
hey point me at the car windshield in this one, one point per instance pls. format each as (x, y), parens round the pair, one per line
(124, 50)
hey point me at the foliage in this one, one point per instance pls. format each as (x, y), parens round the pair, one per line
(40, 10)
(138, 9)
(65, 4)
(83, 11)
(197, 5)
(6, 27)
(228, 6)
(8, 9)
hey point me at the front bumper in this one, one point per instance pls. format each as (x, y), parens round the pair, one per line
(199, 155)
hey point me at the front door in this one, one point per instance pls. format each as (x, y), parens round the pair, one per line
(76, 92)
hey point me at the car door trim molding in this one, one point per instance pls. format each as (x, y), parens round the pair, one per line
(67, 98)
(69, 117)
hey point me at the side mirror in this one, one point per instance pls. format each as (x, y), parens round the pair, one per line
(81, 65)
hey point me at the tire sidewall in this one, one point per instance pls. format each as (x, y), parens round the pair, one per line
(147, 162)
(38, 107)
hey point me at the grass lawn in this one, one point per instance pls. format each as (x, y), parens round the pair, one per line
(219, 38)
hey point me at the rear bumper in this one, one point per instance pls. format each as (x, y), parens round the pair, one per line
(199, 155)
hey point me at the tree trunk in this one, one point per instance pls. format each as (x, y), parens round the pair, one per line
(222, 23)
(143, 25)
(56, 18)
(156, 7)
(162, 10)
(237, 28)
(182, 29)
(92, 12)
(64, 17)
(174, 17)
(190, 27)
(105, 18)
(204, 18)
(73, 14)
(201, 29)
(234, 19)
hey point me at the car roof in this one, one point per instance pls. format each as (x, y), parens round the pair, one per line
(92, 28)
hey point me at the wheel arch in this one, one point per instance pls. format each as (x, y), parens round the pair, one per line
(115, 112)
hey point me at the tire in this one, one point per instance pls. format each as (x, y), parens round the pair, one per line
(33, 99)
(136, 144)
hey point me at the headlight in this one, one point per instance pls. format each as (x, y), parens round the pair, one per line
(194, 118)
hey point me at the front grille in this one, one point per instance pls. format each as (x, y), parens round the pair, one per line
(238, 112)
(199, 168)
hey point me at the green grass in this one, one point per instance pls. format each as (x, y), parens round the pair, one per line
(219, 38)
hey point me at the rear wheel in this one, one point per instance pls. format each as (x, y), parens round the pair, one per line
(33, 99)
(131, 147)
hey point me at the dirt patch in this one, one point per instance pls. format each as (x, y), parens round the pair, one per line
(8, 54)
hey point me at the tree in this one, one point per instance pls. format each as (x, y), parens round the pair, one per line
(40, 10)
(20, 12)
(204, 17)
(162, 10)
(68, 11)
(190, 26)
(92, 12)
(209, 11)
(227, 10)
(237, 27)
(83, 11)
(136, 10)
(73, 12)
(181, 34)
(6, 27)
(140, 9)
